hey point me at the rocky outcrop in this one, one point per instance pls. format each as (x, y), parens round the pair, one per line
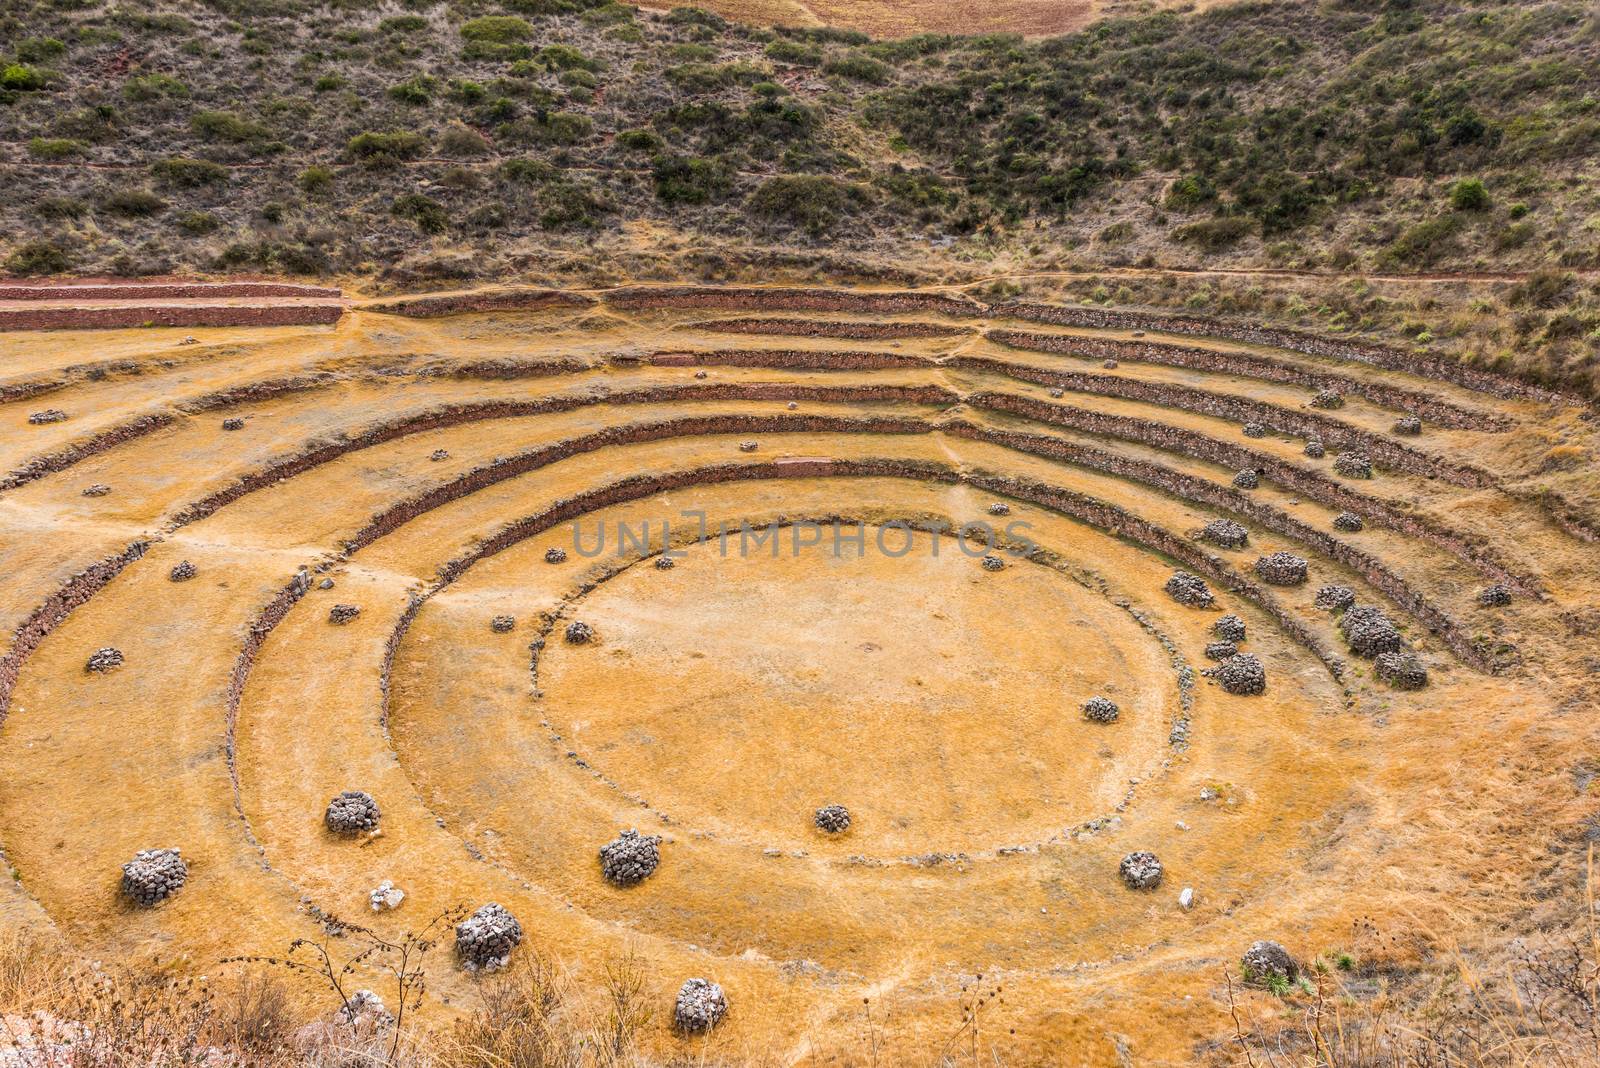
(630, 858)
(1140, 870)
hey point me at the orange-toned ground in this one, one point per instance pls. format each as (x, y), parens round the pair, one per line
(724, 700)
(900, 18)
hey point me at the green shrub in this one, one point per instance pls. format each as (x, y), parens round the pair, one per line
(188, 173)
(226, 126)
(527, 171)
(858, 67)
(403, 24)
(1190, 192)
(38, 257)
(459, 140)
(564, 203)
(199, 223)
(40, 49)
(417, 91)
(812, 202)
(380, 147)
(55, 147)
(640, 140)
(794, 53)
(690, 179)
(328, 83)
(1423, 244)
(315, 179)
(153, 86)
(565, 57)
(428, 214)
(22, 78)
(61, 208)
(696, 16)
(1214, 235)
(553, 128)
(709, 77)
(497, 37)
(1469, 195)
(134, 203)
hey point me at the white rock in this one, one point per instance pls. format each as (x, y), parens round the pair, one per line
(387, 896)
(1186, 899)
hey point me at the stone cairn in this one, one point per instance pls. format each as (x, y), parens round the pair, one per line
(49, 415)
(352, 812)
(1282, 569)
(991, 562)
(1230, 628)
(1315, 449)
(555, 555)
(183, 572)
(1403, 671)
(1327, 399)
(1056, 393)
(579, 633)
(1495, 596)
(1349, 523)
(1241, 675)
(1221, 650)
(630, 858)
(1265, 961)
(834, 819)
(503, 624)
(485, 939)
(153, 875)
(701, 1006)
(749, 446)
(1226, 534)
(1101, 710)
(1190, 590)
(1141, 870)
(1369, 631)
(386, 897)
(1255, 430)
(665, 563)
(1109, 365)
(1353, 465)
(1247, 479)
(439, 454)
(1334, 598)
(99, 489)
(1407, 426)
(233, 423)
(340, 614)
(999, 508)
(103, 660)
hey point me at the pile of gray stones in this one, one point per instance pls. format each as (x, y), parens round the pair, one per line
(1141, 870)
(340, 614)
(1266, 961)
(352, 812)
(1189, 590)
(991, 562)
(49, 415)
(1101, 710)
(701, 1006)
(1315, 449)
(1221, 650)
(1408, 426)
(834, 819)
(1403, 671)
(1241, 674)
(153, 875)
(1229, 628)
(1496, 596)
(1369, 631)
(1226, 534)
(485, 939)
(1282, 569)
(1327, 399)
(1348, 522)
(503, 624)
(1247, 479)
(183, 572)
(103, 660)
(579, 633)
(630, 858)
(1255, 430)
(1353, 465)
(1334, 598)
(555, 555)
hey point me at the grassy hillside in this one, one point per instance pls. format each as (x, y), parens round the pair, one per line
(478, 138)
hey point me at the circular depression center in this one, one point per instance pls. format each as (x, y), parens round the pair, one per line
(938, 701)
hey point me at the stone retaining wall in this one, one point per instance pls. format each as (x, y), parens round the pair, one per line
(433, 307)
(139, 315)
(863, 331)
(755, 298)
(158, 290)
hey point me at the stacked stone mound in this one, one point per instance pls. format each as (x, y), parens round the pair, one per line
(1334, 598)
(665, 563)
(1221, 650)
(1101, 710)
(1230, 628)
(579, 633)
(1327, 399)
(1315, 449)
(439, 454)
(1349, 523)
(1370, 632)
(1408, 426)
(352, 812)
(503, 624)
(630, 858)
(1225, 533)
(1495, 596)
(485, 939)
(1247, 479)
(1190, 590)
(233, 424)
(1241, 675)
(991, 562)
(748, 446)
(340, 614)
(1353, 465)
(701, 1005)
(1265, 961)
(153, 875)
(835, 819)
(999, 508)
(49, 415)
(1109, 365)
(99, 489)
(1141, 870)
(1401, 670)
(103, 660)
(1282, 569)
(1255, 430)
(555, 555)
(183, 572)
